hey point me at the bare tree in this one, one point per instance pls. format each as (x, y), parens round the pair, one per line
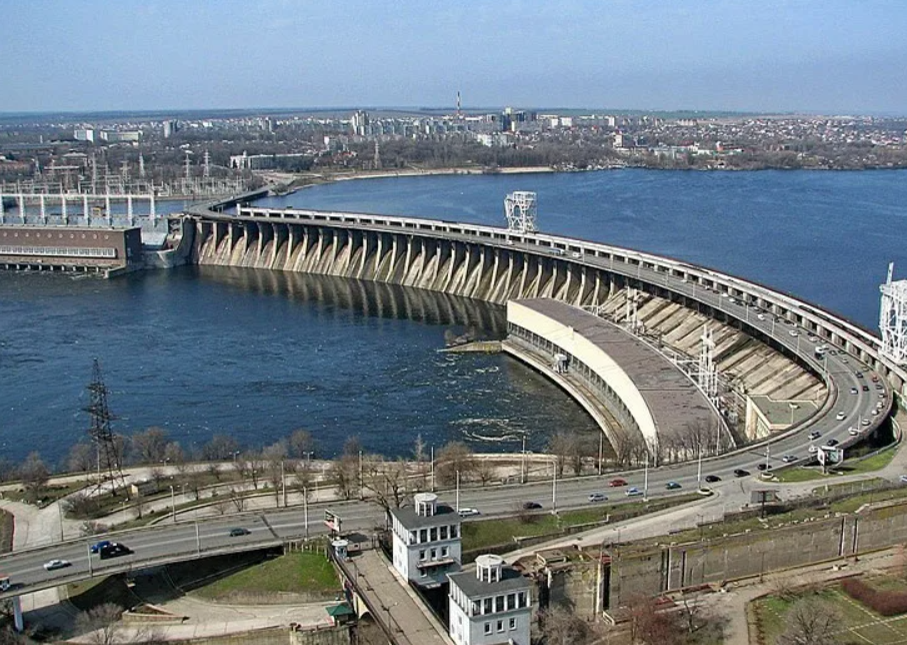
(173, 453)
(238, 499)
(303, 478)
(301, 444)
(485, 471)
(150, 446)
(454, 457)
(651, 626)
(273, 458)
(810, 621)
(82, 458)
(34, 476)
(560, 626)
(219, 448)
(386, 480)
(214, 469)
(343, 473)
(157, 475)
(100, 624)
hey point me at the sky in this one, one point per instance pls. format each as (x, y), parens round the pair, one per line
(820, 56)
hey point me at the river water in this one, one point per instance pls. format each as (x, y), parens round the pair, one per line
(257, 354)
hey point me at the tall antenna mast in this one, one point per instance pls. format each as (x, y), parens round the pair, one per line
(109, 461)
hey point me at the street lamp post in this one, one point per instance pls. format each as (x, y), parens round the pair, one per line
(173, 504)
(554, 488)
(458, 490)
(305, 509)
(88, 550)
(645, 486)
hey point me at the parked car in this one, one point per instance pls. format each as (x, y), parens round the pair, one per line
(633, 492)
(712, 478)
(903, 479)
(468, 512)
(672, 486)
(531, 506)
(614, 483)
(57, 564)
(597, 497)
(239, 531)
(739, 472)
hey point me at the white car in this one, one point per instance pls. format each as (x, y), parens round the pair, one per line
(840, 416)
(794, 333)
(56, 564)
(812, 449)
(468, 512)
(761, 316)
(853, 432)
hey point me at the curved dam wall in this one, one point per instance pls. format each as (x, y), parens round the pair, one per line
(497, 265)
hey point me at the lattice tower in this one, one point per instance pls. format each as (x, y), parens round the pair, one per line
(521, 208)
(893, 318)
(109, 461)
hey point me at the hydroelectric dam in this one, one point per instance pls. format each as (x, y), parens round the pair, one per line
(768, 364)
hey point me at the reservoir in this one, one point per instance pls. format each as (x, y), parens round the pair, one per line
(257, 354)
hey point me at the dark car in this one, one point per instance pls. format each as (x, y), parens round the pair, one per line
(672, 486)
(831, 442)
(739, 472)
(531, 506)
(614, 483)
(96, 548)
(114, 550)
(763, 466)
(866, 388)
(239, 532)
(712, 478)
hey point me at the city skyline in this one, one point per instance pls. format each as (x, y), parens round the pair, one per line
(778, 56)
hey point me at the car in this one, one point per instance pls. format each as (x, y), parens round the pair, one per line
(813, 339)
(794, 333)
(672, 486)
(597, 497)
(633, 492)
(114, 550)
(531, 506)
(96, 548)
(875, 378)
(763, 466)
(903, 479)
(239, 531)
(858, 374)
(739, 472)
(866, 388)
(50, 565)
(812, 449)
(831, 443)
(615, 483)
(815, 434)
(840, 416)
(879, 386)
(761, 316)
(712, 478)
(853, 432)
(845, 361)
(854, 390)
(866, 422)
(468, 512)
(789, 459)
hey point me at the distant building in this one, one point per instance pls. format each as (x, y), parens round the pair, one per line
(85, 134)
(490, 605)
(426, 541)
(359, 123)
(121, 136)
(170, 128)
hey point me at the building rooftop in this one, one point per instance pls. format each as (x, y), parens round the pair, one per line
(444, 516)
(672, 398)
(511, 580)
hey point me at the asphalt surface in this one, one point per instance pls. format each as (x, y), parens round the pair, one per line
(169, 542)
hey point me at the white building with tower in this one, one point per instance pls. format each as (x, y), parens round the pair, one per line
(490, 605)
(426, 541)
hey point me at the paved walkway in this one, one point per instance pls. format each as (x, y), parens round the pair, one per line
(395, 602)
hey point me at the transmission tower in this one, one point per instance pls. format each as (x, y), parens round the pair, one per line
(207, 167)
(109, 461)
(893, 318)
(708, 372)
(521, 208)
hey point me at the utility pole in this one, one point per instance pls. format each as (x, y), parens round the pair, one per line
(88, 550)
(458, 490)
(645, 486)
(523, 462)
(305, 509)
(554, 488)
(361, 492)
(172, 505)
(433, 469)
(283, 483)
(198, 540)
(699, 470)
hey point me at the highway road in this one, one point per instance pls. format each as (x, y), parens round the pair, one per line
(188, 540)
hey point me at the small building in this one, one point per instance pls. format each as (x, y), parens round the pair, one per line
(490, 605)
(426, 541)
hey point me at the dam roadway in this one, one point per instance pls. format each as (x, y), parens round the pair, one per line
(695, 286)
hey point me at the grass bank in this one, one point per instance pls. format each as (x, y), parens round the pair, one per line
(283, 579)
